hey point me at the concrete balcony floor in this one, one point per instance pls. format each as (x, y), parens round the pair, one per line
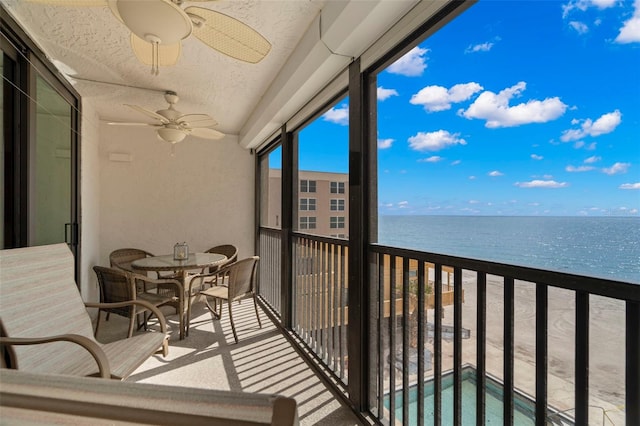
(263, 361)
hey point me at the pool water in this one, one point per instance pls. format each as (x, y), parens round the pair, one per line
(523, 413)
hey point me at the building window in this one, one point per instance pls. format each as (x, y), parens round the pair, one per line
(337, 187)
(336, 222)
(308, 222)
(307, 185)
(343, 236)
(337, 205)
(307, 203)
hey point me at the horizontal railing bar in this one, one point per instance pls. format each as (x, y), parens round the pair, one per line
(597, 286)
(321, 239)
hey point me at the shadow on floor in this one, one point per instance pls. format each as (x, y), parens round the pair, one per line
(263, 361)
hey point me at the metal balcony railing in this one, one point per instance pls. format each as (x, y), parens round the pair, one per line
(448, 332)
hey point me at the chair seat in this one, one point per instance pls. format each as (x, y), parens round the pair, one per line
(241, 279)
(221, 292)
(153, 298)
(126, 355)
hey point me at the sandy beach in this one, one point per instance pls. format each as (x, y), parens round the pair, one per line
(606, 337)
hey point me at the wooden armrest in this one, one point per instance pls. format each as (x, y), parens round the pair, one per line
(285, 412)
(149, 306)
(92, 347)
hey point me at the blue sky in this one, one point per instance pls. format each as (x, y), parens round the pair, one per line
(513, 108)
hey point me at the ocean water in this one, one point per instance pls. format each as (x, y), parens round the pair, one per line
(604, 247)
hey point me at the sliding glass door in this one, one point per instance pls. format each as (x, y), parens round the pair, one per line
(40, 148)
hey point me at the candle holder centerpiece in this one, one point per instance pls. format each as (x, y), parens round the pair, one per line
(181, 251)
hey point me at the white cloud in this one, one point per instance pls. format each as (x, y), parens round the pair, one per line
(593, 159)
(536, 157)
(495, 173)
(607, 123)
(385, 143)
(384, 94)
(338, 115)
(434, 141)
(472, 178)
(573, 169)
(403, 204)
(580, 144)
(630, 185)
(617, 168)
(432, 159)
(630, 31)
(579, 27)
(482, 47)
(541, 184)
(456, 162)
(438, 98)
(495, 109)
(585, 4)
(412, 64)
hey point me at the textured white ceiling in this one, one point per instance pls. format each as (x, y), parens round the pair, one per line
(90, 43)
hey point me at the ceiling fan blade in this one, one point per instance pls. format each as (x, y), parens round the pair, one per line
(128, 123)
(197, 120)
(71, 3)
(168, 54)
(227, 35)
(206, 133)
(149, 113)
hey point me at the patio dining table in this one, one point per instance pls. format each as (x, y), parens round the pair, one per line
(195, 261)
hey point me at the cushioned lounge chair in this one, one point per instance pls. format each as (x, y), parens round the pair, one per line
(46, 327)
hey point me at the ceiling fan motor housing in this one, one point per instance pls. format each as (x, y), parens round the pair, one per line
(161, 22)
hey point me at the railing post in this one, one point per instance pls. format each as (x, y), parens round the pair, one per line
(361, 91)
(509, 325)
(289, 179)
(542, 316)
(582, 358)
(632, 374)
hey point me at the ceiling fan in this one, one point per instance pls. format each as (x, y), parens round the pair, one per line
(158, 27)
(173, 126)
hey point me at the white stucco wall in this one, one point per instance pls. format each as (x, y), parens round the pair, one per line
(202, 195)
(89, 201)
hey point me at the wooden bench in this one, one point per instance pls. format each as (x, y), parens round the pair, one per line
(45, 325)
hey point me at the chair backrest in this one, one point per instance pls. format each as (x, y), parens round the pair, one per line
(116, 285)
(242, 278)
(228, 250)
(122, 258)
(39, 298)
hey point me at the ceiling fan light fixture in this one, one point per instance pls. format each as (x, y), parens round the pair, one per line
(171, 135)
(158, 21)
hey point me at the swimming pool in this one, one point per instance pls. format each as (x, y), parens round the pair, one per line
(523, 413)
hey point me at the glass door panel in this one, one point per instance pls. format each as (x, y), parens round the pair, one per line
(51, 202)
(2, 150)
